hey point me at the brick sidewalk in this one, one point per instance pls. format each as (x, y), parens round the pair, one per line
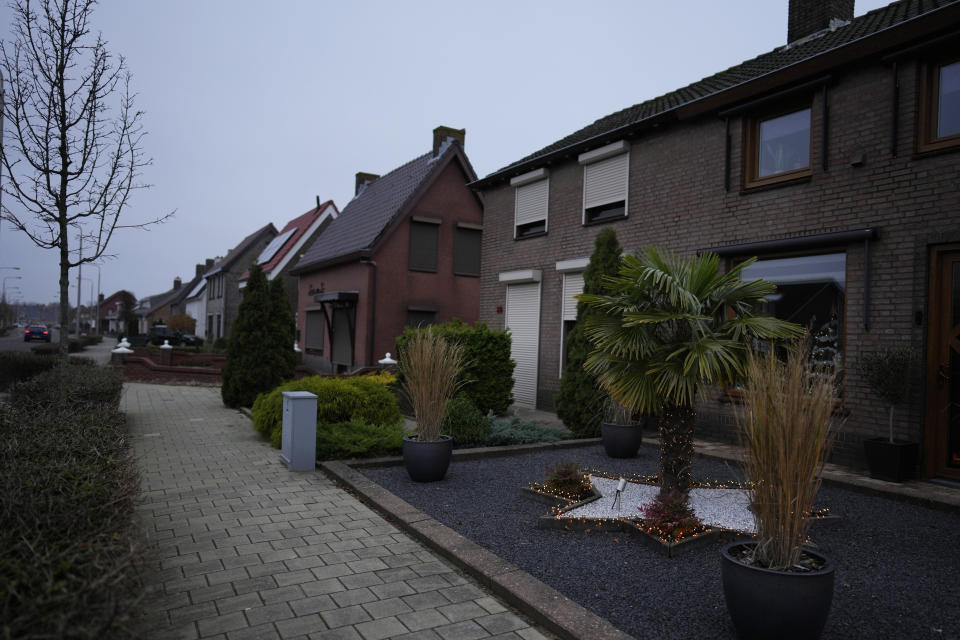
(251, 550)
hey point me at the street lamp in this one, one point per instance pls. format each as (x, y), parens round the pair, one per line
(79, 304)
(97, 303)
(10, 278)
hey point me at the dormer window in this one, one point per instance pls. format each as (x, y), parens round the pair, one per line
(777, 147)
(530, 209)
(939, 124)
(606, 173)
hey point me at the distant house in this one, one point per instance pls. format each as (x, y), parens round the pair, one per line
(404, 251)
(110, 313)
(158, 309)
(222, 288)
(279, 257)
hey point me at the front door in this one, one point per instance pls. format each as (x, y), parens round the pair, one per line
(943, 365)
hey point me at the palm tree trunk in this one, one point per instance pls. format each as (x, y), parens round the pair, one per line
(676, 450)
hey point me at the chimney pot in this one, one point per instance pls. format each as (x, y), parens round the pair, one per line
(807, 17)
(363, 180)
(176, 283)
(440, 134)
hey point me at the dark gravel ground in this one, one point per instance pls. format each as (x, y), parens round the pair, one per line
(898, 564)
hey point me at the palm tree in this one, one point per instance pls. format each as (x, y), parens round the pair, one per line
(669, 327)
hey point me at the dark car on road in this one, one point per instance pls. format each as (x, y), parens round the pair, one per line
(36, 332)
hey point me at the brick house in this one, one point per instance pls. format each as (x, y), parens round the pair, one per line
(404, 251)
(279, 257)
(834, 159)
(110, 311)
(223, 290)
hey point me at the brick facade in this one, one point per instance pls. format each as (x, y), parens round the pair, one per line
(677, 200)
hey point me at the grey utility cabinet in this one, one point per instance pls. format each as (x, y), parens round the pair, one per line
(299, 436)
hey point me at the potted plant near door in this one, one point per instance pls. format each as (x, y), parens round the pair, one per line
(774, 586)
(885, 372)
(620, 433)
(430, 367)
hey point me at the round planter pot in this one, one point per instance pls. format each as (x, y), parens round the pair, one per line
(621, 440)
(427, 461)
(776, 604)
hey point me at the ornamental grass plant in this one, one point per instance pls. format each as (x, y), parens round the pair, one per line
(786, 430)
(430, 368)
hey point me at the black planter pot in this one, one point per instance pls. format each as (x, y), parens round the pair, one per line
(621, 440)
(893, 461)
(427, 461)
(776, 604)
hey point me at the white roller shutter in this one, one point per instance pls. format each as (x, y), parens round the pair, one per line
(572, 285)
(605, 181)
(532, 202)
(523, 320)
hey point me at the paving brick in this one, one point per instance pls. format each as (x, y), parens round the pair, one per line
(300, 626)
(227, 575)
(239, 602)
(221, 624)
(353, 596)
(426, 619)
(344, 616)
(313, 604)
(342, 633)
(269, 613)
(261, 632)
(380, 629)
(281, 594)
(501, 623)
(216, 592)
(427, 600)
(358, 580)
(462, 611)
(466, 630)
(319, 587)
(462, 593)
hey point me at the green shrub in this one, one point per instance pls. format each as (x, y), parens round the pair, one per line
(487, 378)
(260, 352)
(580, 401)
(338, 400)
(17, 366)
(358, 439)
(84, 385)
(73, 346)
(516, 430)
(71, 559)
(465, 423)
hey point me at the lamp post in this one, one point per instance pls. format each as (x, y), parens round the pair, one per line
(97, 303)
(9, 278)
(92, 304)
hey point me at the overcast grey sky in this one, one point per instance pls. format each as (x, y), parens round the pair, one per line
(253, 109)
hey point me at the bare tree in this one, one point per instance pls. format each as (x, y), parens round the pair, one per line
(72, 145)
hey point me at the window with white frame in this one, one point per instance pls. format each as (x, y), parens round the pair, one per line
(530, 209)
(606, 175)
(572, 273)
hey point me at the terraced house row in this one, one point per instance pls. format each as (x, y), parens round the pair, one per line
(833, 158)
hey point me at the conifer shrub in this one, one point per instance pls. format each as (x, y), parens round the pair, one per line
(365, 398)
(358, 439)
(468, 426)
(487, 377)
(260, 352)
(516, 430)
(580, 401)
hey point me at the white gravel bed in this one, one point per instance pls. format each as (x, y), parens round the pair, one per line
(723, 508)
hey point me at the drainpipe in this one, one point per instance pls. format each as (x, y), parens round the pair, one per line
(371, 320)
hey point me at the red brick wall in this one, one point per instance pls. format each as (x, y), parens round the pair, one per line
(677, 201)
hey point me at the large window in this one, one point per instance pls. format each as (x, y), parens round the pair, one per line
(605, 179)
(466, 250)
(531, 204)
(811, 292)
(777, 148)
(939, 124)
(424, 236)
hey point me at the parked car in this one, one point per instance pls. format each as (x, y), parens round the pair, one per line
(190, 340)
(36, 332)
(160, 332)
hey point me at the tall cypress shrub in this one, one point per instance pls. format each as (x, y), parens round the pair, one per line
(580, 401)
(257, 351)
(286, 327)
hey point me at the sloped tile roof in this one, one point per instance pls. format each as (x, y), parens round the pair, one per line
(238, 250)
(781, 58)
(299, 225)
(363, 220)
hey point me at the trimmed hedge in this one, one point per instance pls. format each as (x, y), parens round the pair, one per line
(73, 346)
(487, 378)
(85, 385)
(467, 425)
(71, 555)
(17, 366)
(364, 398)
(358, 439)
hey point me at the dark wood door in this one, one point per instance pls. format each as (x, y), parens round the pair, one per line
(943, 365)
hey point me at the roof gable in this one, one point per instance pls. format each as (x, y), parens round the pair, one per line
(364, 220)
(240, 249)
(299, 229)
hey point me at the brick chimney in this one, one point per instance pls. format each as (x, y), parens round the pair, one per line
(201, 269)
(363, 181)
(176, 283)
(807, 17)
(440, 134)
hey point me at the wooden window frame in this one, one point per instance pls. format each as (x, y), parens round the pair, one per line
(928, 106)
(751, 148)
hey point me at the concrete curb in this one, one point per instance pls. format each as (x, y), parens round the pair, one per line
(542, 603)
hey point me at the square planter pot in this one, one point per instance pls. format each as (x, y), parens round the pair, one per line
(894, 462)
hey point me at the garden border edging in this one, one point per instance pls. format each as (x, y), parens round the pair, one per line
(542, 603)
